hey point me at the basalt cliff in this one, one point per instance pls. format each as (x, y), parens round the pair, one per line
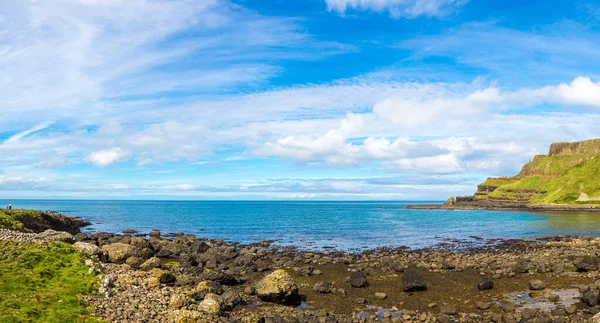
(567, 178)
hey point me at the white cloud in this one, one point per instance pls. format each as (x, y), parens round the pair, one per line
(107, 157)
(20, 135)
(399, 8)
(582, 91)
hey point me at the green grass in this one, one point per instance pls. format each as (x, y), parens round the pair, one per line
(560, 178)
(14, 219)
(42, 283)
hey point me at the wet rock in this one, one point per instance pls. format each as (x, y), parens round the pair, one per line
(358, 279)
(586, 263)
(411, 282)
(536, 284)
(277, 287)
(322, 287)
(485, 283)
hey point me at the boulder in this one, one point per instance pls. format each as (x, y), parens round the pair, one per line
(590, 298)
(212, 304)
(278, 287)
(52, 235)
(150, 264)
(231, 298)
(448, 309)
(154, 233)
(358, 279)
(485, 283)
(596, 318)
(185, 316)
(179, 300)
(118, 252)
(89, 248)
(536, 284)
(207, 287)
(163, 276)
(322, 287)
(412, 282)
(134, 262)
(586, 263)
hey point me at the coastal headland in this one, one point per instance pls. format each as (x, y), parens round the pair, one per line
(177, 277)
(566, 179)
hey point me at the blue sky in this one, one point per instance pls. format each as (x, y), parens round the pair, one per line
(314, 99)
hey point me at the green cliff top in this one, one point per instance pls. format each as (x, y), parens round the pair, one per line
(569, 174)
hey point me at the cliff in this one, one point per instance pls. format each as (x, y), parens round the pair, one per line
(569, 174)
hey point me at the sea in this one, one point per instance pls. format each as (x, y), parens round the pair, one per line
(318, 225)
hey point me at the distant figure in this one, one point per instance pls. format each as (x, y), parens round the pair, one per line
(9, 206)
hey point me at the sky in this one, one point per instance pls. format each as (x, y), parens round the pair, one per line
(296, 99)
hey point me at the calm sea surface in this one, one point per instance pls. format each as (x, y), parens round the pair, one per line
(343, 225)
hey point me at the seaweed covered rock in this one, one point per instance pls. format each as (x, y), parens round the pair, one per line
(277, 287)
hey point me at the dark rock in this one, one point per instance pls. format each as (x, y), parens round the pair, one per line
(590, 298)
(412, 282)
(322, 287)
(485, 283)
(358, 279)
(304, 271)
(80, 236)
(154, 234)
(586, 263)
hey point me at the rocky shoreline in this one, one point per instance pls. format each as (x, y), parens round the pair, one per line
(183, 278)
(495, 206)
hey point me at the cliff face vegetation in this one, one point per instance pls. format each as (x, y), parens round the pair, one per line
(569, 174)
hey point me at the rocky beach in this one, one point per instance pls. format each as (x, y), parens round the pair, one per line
(177, 277)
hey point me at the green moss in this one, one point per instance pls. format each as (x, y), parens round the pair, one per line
(43, 283)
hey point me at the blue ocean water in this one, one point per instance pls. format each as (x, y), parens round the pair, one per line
(343, 225)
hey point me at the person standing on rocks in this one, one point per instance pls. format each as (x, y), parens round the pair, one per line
(9, 206)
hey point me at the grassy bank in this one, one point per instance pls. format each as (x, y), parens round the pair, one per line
(42, 283)
(16, 219)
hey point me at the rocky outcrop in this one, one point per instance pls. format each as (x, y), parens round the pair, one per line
(277, 287)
